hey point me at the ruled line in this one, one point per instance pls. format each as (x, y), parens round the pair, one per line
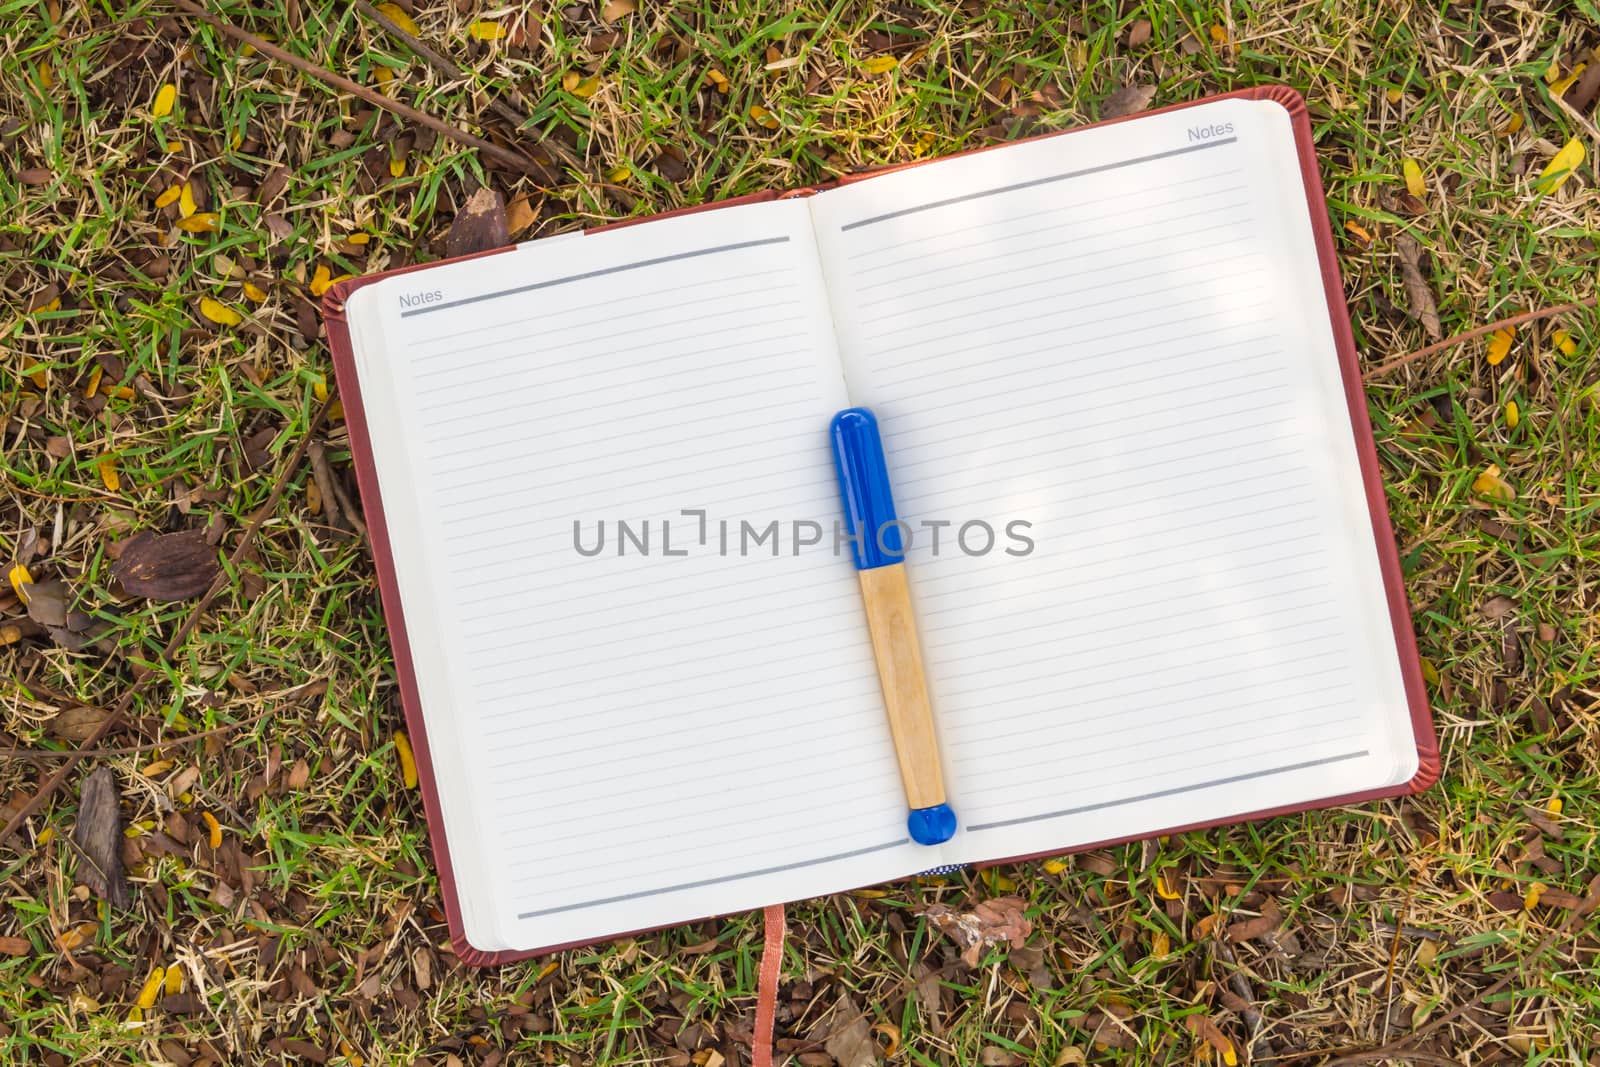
(1036, 182)
(1176, 791)
(602, 272)
(703, 882)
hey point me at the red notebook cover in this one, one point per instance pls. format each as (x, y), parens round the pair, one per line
(1338, 315)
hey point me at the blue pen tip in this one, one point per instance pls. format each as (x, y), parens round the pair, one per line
(932, 826)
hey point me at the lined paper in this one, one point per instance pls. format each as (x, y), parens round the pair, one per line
(645, 736)
(1118, 338)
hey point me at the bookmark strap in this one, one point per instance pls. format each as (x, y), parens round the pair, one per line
(767, 987)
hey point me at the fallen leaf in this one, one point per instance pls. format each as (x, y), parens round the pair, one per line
(484, 30)
(1490, 486)
(763, 117)
(1513, 415)
(78, 724)
(408, 760)
(990, 923)
(1561, 167)
(1560, 86)
(1500, 345)
(171, 567)
(174, 981)
(255, 292)
(719, 81)
(170, 195)
(152, 988)
(616, 9)
(397, 15)
(203, 222)
(1127, 100)
(1394, 96)
(15, 946)
(520, 214)
(1413, 175)
(1358, 231)
(20, 578)
(1498, 607)
(109, 477)
(1564, 342)
(213, 829)
(98, 838)
(880, 64)
(75, 938)
(1423, 309)
(1581, 97)
(166, 97)
(850, 1040)
(1206, 1030)
(1138, 33)
(219, 313)
(187, 205)
(480, 225)
(1270, 919)
(47, 602)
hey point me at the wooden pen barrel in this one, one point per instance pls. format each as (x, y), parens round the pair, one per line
(887, 597)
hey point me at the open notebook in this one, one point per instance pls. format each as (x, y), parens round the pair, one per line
(633, 650)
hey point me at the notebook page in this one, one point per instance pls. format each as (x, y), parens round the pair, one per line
(672, 723)
(1119, 339)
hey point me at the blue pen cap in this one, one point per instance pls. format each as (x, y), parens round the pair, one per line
(864, 485)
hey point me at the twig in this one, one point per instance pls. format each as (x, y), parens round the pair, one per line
(221, 582)
(44, 755)
(518, 162)
(1515, 320)
(451, 69)
(324, 478)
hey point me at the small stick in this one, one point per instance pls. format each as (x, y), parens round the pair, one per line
(520, 163)
(120, 711)
(1515, 320)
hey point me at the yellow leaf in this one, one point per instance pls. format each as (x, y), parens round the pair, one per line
(1513, 415)
(1219, 33)
(174, 146)
(169, 194)
(156, 769)
(890, 1034)
(1553, 806)
(166, 96)
(1160, 944)
(397, 166)
(46, 77)
(618, 175)
(880, 64)
(586, 87)
(924, 144)
(997, 881)
(1511, 125)
(174, 982)
(1203, 928)
(313, 497)
(213, 829)
(319, 389)
(408, 762)
(547, 970)
(336, 411)
(1430, 673)
(321, 280)
(1560, 86)
(1560, 167)
(1414, 183)
(1229, 1056)
(10, 634)
(763, 117)
(1055, 866)
(135, 1018)
(486, 31)
(718, 80)
(1500, 345)
(186, 204)
(255, 292)
(382, 75)
(204, 222)
(358, 238)
(397, 15)
(1394, 96)
(108, 474)
(1535, 891)
(1167, 885)
(1358, 231)
(1563, 340)
(76, 937)
(1491, 486)
(20, 580)
(219, 313)
(151, 988)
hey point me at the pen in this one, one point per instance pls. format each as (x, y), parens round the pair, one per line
(879, 549)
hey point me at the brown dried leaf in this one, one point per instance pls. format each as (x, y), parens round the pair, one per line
(1423, 309)
(1138, 33)
(1270, 919)
(480, 226)
(98, 838)
(520, 214)
(850, 1040)
(15, 946)
(1498, 607)
(78, 724)
(1127, 100)
(174, 566)
(47, 602)
(990, 923)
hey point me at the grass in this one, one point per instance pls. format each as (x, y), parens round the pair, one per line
(325, 928)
